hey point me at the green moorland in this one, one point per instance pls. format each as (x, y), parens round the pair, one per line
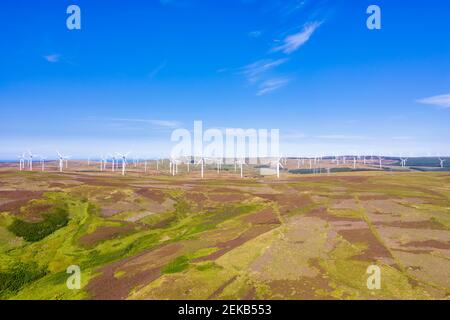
(162, 237)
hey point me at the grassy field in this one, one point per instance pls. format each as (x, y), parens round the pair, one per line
(162, 237)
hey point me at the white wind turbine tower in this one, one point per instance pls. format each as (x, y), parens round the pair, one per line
(242, 163)
(61, 161)
(403, 162)
(21, 162)
(187, 161)
(336, 158)
(31, 160)
(124, 161)
(113, 162)
(354, 162)
(218, 165)
(105, 162)
(380, 160)
(173, 166)
(66, 158)
(102, 159)
(201, 162)
(43, 163)
(175, 161)
(441, 162)
(279, 165)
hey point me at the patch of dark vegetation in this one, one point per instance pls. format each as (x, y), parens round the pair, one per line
(54, 219)
(18, 276)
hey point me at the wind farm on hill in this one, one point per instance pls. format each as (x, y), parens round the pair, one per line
(265, 166)
(203, 228)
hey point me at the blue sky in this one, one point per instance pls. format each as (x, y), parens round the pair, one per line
(139, 69)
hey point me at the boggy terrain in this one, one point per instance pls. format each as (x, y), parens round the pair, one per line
(164, 237)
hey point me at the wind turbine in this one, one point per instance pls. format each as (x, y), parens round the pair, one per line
(66, 158)
(43, 163)
(124, 161)
(21, 162)
(279, 165)
(31, 160)
(241, 163)
(336, 158)
(380, 159)
(403, 162)
(61, 163)
(114, 161)
(187, 161)
(442, 162)
(173, 166)
(201, 162)
(102, 159)
(218, 165)
(354, 162)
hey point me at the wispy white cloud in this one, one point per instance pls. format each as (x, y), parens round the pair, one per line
(292, 42)
(293, 135)
(52, 58)
(442, 101)
(158, 123)
(253, 72)
(342, 137)
(158, 68)
(272, 85)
